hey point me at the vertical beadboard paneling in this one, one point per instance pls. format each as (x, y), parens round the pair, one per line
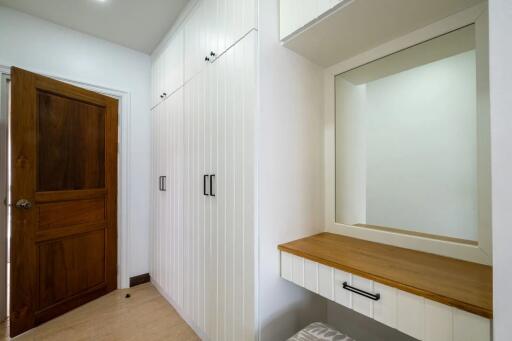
(311, 275)
(298, 271)
(236, 302)
(411, 315)
(204, 247)
(385, 309)
(342, 296)
(249, 166)
(326, 281)
(287, 266)
(188, 195)
(438, 321)
(360, 303)
(195, 35)
(470, 327)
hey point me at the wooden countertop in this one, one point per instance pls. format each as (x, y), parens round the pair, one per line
(461, 284)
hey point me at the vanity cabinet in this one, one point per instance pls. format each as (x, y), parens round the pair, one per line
(411, 314)
(428, 297)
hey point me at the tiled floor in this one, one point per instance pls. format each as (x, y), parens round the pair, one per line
(144, 316)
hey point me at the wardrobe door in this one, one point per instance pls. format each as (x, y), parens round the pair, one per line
(195, 198)
(211, 146)
(154, 192)
(164, 157)
(156, 83)
(233, 19)
(233, 244)
(173, 64)
(158, 196)
(197, 28)
(174, 207)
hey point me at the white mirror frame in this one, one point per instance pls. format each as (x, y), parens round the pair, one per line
(481, 253)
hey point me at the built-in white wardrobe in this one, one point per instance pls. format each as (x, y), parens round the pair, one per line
(204, 169)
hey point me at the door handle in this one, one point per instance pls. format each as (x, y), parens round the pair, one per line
(204, 184)
(164, 183)
(23, 204)
(212, 177)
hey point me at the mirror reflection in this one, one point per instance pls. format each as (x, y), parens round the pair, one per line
(412, 141)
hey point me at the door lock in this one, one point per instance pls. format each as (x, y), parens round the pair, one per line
(23, 204)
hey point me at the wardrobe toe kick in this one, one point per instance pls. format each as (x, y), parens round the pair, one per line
(405, 294)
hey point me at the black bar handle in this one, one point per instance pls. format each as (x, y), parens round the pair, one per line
(374, 297)
(164, 183)
(211, 185)
(204, 184)
(159, 183)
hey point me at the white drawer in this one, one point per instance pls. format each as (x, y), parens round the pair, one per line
(326, 281)
(361, 304)
(342, 296)
(411, 314)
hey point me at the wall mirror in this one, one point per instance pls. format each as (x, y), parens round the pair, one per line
(412, 141)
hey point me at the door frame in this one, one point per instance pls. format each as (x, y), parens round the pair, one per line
(123, 194)
(4, 166)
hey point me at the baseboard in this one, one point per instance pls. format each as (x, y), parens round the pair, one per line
(140, 279)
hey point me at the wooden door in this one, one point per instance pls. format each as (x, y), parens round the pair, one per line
(64, 193)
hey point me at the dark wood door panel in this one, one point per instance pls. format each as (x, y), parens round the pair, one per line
(69, 213)
(70, 144)
(64, 161)
(54, 196)
(70, 266)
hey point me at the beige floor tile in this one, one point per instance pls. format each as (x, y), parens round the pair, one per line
(145, 316)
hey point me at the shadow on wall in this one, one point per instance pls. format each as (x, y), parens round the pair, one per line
(298, 315)
(360, 327)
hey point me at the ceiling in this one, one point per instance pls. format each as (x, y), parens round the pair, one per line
(365, 24)
(136, 24)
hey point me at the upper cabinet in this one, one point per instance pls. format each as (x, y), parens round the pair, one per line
(167, 69)
(328, 32)
(196, 29)
(294, 17)
(212, 28)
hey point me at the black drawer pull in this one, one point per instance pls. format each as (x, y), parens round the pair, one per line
(374, 297)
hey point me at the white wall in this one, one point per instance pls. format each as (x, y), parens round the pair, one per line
(40, 46)
(500, 12)
(290, 175)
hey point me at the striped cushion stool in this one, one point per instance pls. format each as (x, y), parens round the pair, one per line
(319, 332)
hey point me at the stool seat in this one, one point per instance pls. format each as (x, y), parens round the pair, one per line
(319, 331)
